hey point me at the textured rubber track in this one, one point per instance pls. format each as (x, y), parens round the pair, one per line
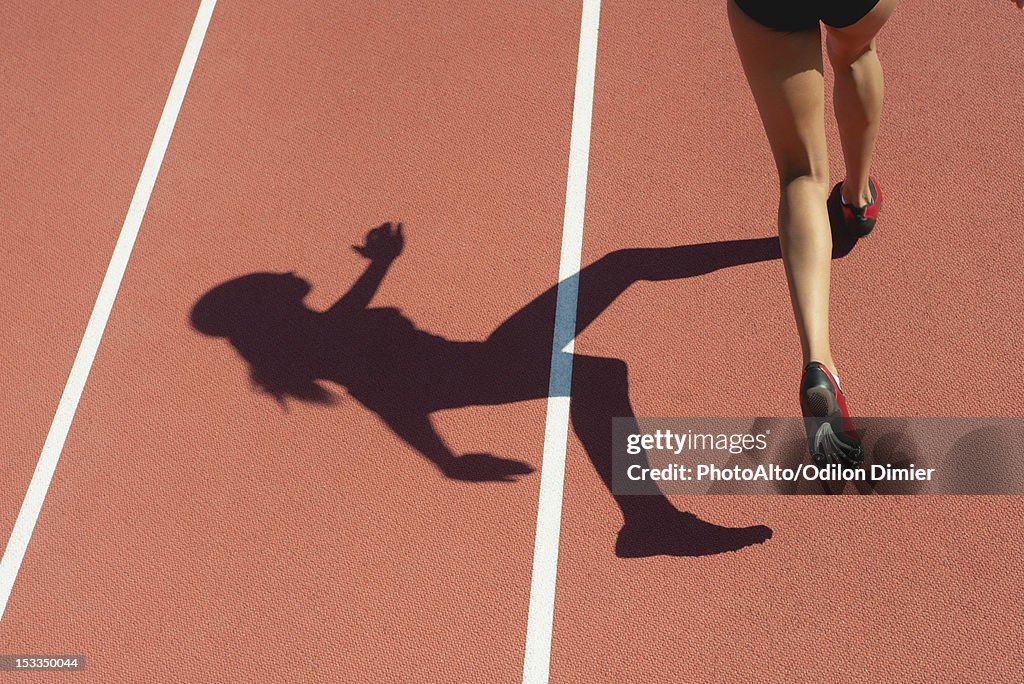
(196, 531)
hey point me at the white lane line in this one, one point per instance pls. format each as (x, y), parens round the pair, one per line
(14, 553)
(556, 428)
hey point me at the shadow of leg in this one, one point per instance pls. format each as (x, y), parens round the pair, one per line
(653, 526)
(602, 281)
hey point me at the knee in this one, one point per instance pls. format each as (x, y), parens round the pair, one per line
(843, 53)
(620, 258)
(601, 371)
(802, 168)
(617, 368)
(613, 371)
(803, 178)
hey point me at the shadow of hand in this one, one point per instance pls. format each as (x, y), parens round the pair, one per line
(486, 468)
(382, 244)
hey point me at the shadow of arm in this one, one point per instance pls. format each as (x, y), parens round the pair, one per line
(363, 290)
(382, 246)
(417, 430)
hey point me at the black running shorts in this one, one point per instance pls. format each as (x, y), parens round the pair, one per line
(799, 15)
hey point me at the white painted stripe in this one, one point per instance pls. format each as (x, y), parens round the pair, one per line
(14, 553)
(556, 428)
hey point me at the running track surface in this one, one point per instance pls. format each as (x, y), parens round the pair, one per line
(196, 530)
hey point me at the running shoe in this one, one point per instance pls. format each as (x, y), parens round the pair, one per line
(858, 221)
(830, 434)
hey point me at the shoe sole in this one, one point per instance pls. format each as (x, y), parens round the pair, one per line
(831, 449)
(828, 448)
(821, 402)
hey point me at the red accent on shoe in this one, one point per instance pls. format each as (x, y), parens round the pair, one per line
(841, 402)
(860, 221)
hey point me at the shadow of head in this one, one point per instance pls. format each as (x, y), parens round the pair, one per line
(263, 316)
(249, 304)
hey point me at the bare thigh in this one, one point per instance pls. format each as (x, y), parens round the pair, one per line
(785, 73)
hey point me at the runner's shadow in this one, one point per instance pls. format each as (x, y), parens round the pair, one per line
(403, 374)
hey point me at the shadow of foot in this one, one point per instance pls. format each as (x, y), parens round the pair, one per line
(683, 534)
(486, 468)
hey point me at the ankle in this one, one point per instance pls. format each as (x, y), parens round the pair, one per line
(855, 197)
(825, 361)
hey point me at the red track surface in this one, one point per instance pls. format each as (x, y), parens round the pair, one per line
(196, 531)
(83, 89)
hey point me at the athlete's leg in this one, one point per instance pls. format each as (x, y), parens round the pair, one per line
(785, 75)
(858, 96)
